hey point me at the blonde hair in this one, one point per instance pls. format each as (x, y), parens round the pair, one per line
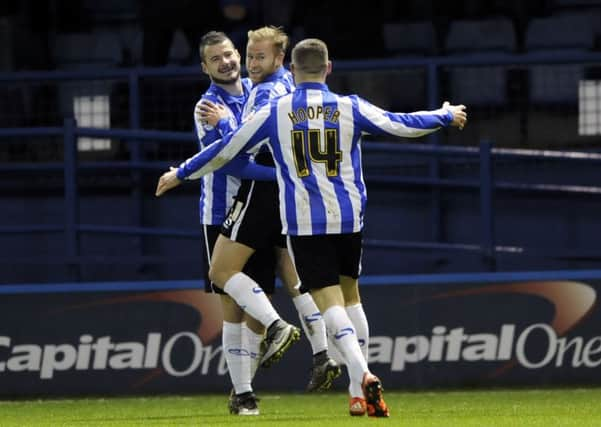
(276, 35)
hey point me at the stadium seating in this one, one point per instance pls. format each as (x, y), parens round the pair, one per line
(86, 50)
(409, 38)
(568, 31)
(180, 49)
(480, 86)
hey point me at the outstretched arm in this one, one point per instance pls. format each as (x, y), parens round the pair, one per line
(253, 132)
(242, 166)
(189, 168)
(376, 121)
(212, 123)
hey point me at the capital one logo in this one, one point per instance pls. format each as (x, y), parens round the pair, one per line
(571, 302)
(152, 352)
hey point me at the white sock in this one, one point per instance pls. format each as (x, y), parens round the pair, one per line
(343, 335)
(357, 316)
(254, 348)
(311, 321)
(251, 298)
(333, 351)
(236, 356)
(355, 389)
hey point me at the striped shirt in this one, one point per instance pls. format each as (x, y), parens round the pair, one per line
(315, 137)
(217, 190)
(276, 84)
(279, 83)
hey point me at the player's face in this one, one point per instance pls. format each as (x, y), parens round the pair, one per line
(222, 63)
(261, 60)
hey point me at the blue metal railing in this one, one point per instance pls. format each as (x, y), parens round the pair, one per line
(484, 155)
(484, 183)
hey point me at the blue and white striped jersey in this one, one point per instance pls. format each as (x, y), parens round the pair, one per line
(279, 83)
(217, 190)
(315, 137)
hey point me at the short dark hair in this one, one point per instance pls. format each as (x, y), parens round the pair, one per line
(310, 56)
(209, 39)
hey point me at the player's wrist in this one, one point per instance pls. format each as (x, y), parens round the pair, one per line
(180, 174)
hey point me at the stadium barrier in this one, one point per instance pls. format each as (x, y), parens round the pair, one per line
(433, 159)
(484, 183)
(427, 331)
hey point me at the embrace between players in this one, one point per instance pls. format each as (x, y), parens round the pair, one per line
(288, 149)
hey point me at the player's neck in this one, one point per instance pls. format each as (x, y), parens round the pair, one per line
(234, 88)
(304, 79)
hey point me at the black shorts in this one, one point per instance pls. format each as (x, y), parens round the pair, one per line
(260, 266)
(321, 260)
(254, 218)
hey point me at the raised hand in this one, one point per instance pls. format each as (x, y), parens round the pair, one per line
(459, 114)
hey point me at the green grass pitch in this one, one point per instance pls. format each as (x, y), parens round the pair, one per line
(520, 408)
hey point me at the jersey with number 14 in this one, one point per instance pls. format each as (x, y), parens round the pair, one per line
(315, 137)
